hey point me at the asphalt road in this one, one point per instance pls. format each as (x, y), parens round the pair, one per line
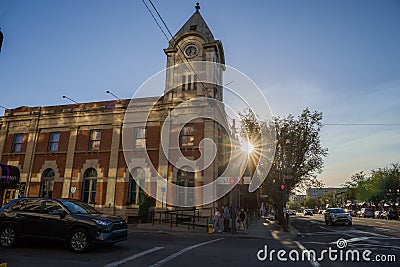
(152, 250)
(380, 237)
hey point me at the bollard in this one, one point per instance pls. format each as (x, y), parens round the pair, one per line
(210, 226)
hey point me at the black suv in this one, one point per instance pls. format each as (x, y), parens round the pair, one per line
(77, 223)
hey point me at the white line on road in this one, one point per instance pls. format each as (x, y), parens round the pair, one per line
(170, 257)
(116, 263)
(313, 261)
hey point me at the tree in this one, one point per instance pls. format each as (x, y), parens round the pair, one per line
(298, 152)
(311, 203)
(381, 187)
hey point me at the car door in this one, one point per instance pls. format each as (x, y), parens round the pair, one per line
(28, 217)
(54, 220)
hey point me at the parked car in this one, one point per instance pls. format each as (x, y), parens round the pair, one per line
(367, 213)
(72, 221)
(392, 215)
(321, 211)
(308, 212)
(292, 212)
(337, 215)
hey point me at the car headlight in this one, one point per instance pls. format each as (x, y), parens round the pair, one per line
(100, 222)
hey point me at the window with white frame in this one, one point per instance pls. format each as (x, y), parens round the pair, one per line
(95, 137)
(17, 144)
(53, 142)
(186, 138)
(140, 137)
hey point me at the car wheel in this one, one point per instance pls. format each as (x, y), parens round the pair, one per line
(8, 236)
(326, 222)
(79, 241)
(350, 223)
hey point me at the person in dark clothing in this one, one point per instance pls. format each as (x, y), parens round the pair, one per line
(227, 217)
(243, 219)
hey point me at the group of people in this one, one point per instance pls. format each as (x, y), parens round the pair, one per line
(241, 219)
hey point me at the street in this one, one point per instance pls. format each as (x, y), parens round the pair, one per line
(148, 250)
(381, 237)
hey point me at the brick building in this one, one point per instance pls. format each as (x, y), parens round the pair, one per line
(76, 151)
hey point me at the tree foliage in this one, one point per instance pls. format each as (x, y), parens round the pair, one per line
(298, 152)
(381, 187)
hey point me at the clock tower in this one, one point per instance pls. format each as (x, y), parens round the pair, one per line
(190, 108)
(188, 76)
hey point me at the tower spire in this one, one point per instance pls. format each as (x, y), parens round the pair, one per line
(197, 7)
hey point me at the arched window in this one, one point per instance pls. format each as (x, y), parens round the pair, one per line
(89, 186)
(185, 177)
(136, 193)
(47, 183)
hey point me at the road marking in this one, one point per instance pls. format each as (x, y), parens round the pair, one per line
(313, 261)
(170, 257)
(135, 256)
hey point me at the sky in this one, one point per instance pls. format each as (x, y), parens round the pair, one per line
(341, 58)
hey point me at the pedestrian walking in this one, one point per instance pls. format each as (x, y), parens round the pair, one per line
(227, 217)
(217, 217)
(243, 219)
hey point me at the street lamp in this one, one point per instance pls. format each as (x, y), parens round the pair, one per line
(109, 92)
(64, 96)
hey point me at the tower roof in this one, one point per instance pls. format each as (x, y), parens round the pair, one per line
(197, 23)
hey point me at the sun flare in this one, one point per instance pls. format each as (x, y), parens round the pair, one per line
(247, 147)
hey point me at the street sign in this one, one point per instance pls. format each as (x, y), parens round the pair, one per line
(73, 190)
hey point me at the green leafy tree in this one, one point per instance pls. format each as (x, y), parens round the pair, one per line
(298, 152)
(312, 203)
(381, 187)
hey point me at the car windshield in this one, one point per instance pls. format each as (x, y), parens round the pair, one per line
(79, 208)
(337, 211)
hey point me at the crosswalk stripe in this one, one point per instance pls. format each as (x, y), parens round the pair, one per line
(135, 256)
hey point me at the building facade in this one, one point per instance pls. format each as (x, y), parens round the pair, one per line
(320, 192)
(77, 151)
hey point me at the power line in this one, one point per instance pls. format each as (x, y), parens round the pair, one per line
(179, 48)
(159, 26)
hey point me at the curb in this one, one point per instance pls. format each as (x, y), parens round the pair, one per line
(194, 234)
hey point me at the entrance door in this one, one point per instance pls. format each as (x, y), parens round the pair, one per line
(185, 178)
(46, 187)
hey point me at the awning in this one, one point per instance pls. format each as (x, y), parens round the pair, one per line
(9, 174)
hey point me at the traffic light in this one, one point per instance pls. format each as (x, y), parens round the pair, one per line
(282, 187)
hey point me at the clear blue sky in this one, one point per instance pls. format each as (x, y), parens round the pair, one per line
(339, 57)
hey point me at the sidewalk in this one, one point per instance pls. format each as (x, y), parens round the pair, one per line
(262, 228)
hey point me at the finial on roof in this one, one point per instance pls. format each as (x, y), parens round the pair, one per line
(197, 7)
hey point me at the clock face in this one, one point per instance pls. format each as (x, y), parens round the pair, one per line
(191, 50)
